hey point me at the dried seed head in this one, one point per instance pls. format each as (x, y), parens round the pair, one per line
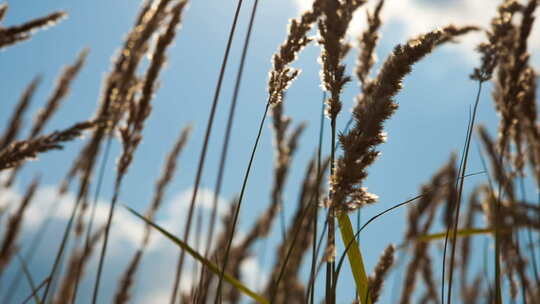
(381, 270)
(281, 76)
(14, 34)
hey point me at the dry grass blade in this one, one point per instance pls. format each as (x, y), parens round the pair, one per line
(241, 196)
(313, 273)
(285, 146)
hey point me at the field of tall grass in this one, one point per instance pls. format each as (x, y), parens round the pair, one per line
(268, 216)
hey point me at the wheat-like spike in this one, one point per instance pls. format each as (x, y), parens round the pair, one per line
(281, 75)
(139, 109)
(8, 247)
(432, 293)
(381, 270)
(132, 133)
(126, 281)
(527, 109)
(336, 16)
(409, 283)
(434, 192)
(367, 43)
(75, 269)
(513, 69)
(120, 86)
(501, 27)
(453, 31)
(14, 34)
(16, 121)
(3, 10)
(471, 294)
(289, 254)
(122, 80)
(53, 103)
(421, 217)
(59, 94)
(499, 172)
(20, 151)
(373, 108)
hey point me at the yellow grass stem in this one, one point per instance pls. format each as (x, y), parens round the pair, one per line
(462, 232)
(355, 258)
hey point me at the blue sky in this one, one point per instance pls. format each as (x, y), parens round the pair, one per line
(429, 125)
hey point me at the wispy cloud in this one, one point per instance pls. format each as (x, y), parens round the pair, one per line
(126, 235)
(418, 16)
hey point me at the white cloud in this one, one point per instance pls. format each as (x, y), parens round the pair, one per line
(418, 16)
(176, 209)
(126, 234)
(252, 274)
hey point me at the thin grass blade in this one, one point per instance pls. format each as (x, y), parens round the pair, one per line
(462, 232)
(211, 266)
(28, 276)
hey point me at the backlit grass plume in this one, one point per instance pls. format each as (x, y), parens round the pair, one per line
(373, 108)
(281, 74)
